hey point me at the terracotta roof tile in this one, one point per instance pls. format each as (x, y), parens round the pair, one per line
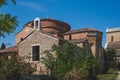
(10, 50)
(81, 30)
(114, 44)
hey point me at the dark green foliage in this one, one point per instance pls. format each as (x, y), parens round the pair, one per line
(89, 68)
(12, 68)
(109, 57)
(8, 23)
(5, 2)
(3, 46)
(70, 63)
(110, 54)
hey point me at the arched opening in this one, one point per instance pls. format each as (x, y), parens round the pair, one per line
(112, 38)
(37, 24)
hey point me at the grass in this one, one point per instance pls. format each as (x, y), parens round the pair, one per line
(107, 76)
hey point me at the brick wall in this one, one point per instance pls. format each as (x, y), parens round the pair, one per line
(79, 35)
(23, 33)
(75, 36)
(94, 39)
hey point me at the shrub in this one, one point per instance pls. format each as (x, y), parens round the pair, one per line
(107, 77)
(111, 71)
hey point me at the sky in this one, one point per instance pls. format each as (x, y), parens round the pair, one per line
(97, 14)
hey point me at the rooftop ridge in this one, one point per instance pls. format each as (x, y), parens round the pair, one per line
(82, 30)
(113, 29)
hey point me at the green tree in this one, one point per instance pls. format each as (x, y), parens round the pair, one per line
(89, 67)
(3, 46)
(4, 2)
(109, 57)
(12, 69)
(70, 62)
(8, 23)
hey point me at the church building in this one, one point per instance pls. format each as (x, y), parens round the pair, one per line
(113, 42)
(41, 34)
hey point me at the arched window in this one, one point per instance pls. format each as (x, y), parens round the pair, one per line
(112, 38)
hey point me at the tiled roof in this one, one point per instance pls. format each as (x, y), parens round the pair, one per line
(114, 44)
(50, 19)
(10, 50)
(81, 30)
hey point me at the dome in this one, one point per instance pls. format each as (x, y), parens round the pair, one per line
(51, 26)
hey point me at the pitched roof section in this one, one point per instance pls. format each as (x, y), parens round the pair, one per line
(114, 44)
(41, 32)
(26, 37)
(82, 30)
(10, 50)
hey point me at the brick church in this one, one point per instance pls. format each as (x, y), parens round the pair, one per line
(41, 34)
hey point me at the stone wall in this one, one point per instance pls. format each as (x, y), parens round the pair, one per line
(36, 38)
(95, 40)
(116, 36)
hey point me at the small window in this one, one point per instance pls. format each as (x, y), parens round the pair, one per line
(35, 53)
(112, 38)
(70, 37)
(21, 39)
